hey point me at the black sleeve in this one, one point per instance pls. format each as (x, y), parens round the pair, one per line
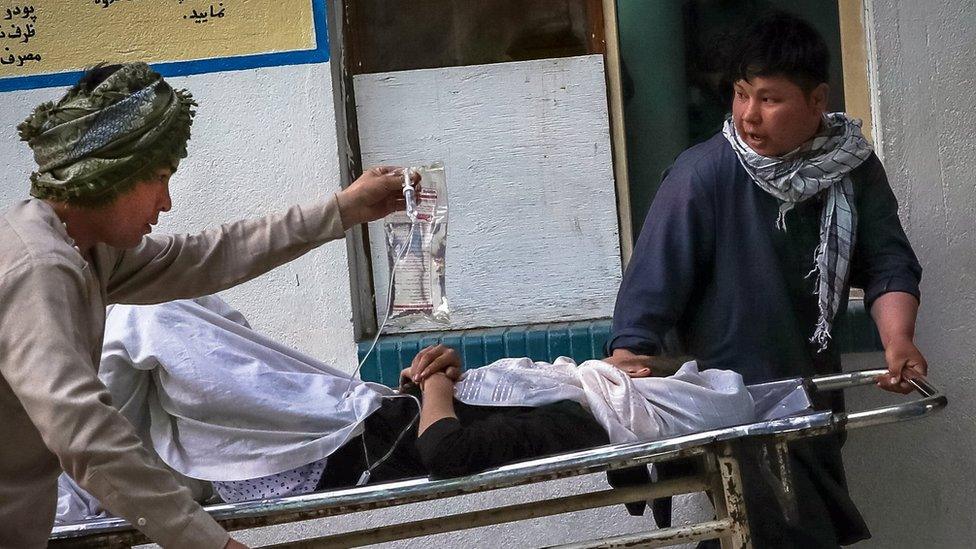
(883, 258)
(437, 440)
(450, 448)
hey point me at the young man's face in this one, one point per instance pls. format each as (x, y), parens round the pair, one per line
(131, 215)
(774, 116)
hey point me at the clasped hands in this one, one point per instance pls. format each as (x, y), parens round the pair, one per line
(435, 361)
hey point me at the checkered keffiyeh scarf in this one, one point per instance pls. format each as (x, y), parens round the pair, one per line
(822, 164)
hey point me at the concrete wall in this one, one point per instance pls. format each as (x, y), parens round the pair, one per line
(914, 482)
(262, 139)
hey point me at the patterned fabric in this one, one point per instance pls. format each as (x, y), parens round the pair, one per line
(94, 144)
(822, 164)
(301, 480)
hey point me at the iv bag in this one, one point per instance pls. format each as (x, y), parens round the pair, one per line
(416, 249)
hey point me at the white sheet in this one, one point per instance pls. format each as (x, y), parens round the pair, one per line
(225, 402)
(218, 401)
(629, 409)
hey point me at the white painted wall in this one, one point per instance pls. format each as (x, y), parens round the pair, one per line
(532, 233)
(262, 140)
(914, 482)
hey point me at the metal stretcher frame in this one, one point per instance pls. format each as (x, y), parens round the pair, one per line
(720, 478)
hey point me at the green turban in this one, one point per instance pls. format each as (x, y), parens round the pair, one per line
(94, 144)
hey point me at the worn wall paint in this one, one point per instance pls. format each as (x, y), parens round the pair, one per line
(532, 230)
(914, 482)
(69, 35)
(45, 43)
(262, 140)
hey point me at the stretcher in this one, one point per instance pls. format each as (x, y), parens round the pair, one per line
(718, 477)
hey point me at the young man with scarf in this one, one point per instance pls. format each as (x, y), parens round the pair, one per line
(750, 248)
(105, 153)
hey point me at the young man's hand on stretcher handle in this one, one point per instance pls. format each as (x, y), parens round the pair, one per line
(894, 314)
(635, 365)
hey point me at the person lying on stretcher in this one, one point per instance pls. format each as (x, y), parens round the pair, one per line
(220, 403)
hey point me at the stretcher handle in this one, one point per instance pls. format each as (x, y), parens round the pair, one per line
(931, 399)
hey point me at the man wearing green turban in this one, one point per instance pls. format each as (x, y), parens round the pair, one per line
(105, 153)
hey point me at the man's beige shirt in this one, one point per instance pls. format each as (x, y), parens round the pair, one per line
(54, 413)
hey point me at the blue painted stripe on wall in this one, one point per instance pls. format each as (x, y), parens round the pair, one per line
(201, 66)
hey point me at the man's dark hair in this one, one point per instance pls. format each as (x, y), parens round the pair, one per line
(781, 44)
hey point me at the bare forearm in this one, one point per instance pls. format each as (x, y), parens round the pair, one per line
(894, 313)
(438, 401)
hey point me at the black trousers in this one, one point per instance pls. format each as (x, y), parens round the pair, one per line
(381, 430)
(480, 438)
(826, 518)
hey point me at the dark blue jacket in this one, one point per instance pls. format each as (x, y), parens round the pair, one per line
(711, 263)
